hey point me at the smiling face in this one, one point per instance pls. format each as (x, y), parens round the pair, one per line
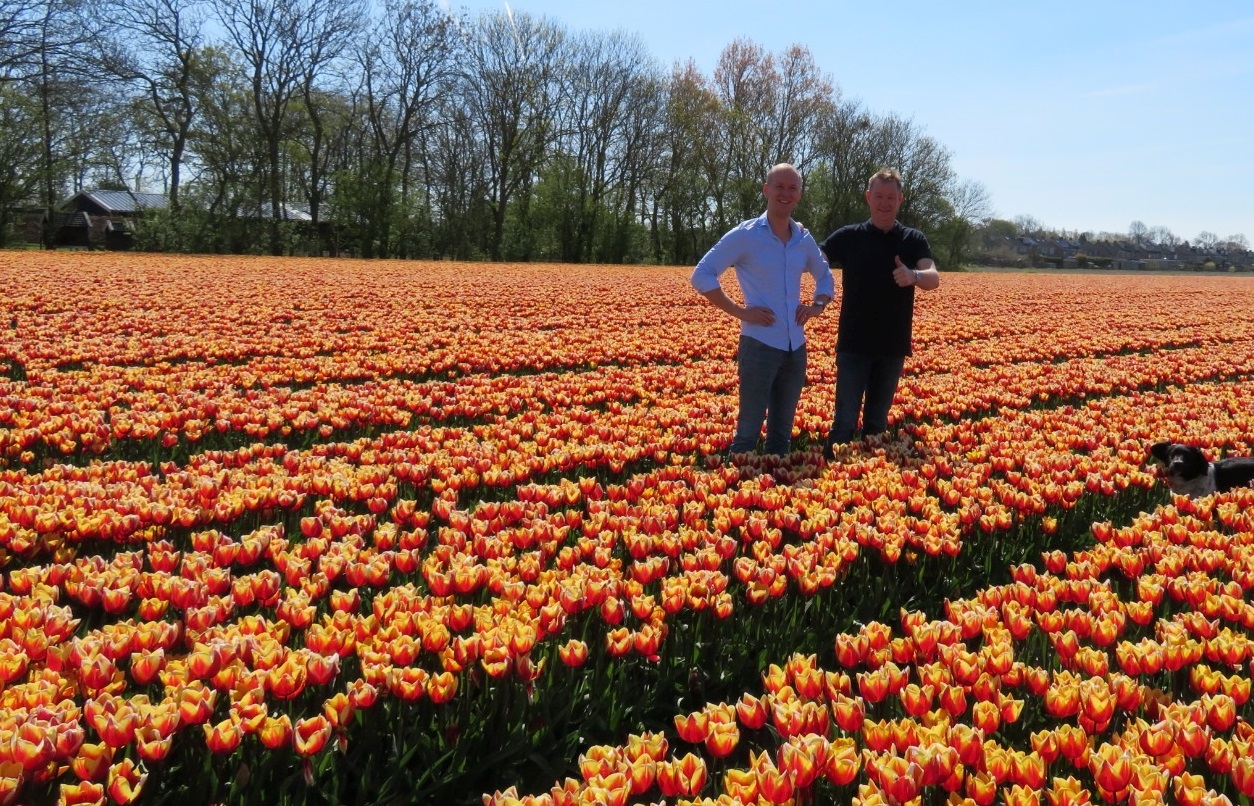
(884, 197)
(782, 191)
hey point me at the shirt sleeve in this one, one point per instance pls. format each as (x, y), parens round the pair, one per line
(831, 248)
(705, 277)
(824, 285)
(919, 248)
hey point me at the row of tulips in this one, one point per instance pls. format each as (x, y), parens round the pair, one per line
(278, 604)
(629, 539)
(63, 505)
(529, 445)
(1120, 673)
(91, 387)
(122, 416)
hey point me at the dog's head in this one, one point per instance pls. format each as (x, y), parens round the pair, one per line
(1182, 465)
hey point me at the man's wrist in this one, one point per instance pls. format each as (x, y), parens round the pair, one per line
(916, 276)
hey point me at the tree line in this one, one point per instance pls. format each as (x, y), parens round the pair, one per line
(405, 130)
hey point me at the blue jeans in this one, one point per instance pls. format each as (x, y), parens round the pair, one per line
(770, 388)
(859, 377)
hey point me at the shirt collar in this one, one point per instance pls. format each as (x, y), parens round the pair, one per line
(792, 226)
(896, 227)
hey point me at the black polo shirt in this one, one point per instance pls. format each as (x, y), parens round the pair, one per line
(876, 315)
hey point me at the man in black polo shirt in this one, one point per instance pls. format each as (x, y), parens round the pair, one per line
(882, 263)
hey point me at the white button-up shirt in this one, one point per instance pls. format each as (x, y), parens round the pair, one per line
(769, 272)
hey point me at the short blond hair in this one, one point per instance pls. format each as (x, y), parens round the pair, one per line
(781, 168)
(885, 175)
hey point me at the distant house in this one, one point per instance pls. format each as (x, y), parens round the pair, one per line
(101, 218)
(107, 219)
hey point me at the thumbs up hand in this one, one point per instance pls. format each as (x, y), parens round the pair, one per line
(903, 275)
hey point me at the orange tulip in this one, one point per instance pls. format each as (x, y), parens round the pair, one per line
(1027, 769)
(751, 711)
(310, 735)
(849, 713)
(986, 716)
(693, 728)
(92, 761)
(917, 700)
(1018, 795)
(126, 781)
(442, 687)
(1158, 739)
(1242, 774)
(600, 761)
(642, 774)
(981, 788)
(1112, 771)
(276, 732)
(722, 738)
(1221, 711)
(574, 653)
(152, 744)
(843, 762)
(804, 759)
(681, 777)
(83, 793)
(224, 737)
(900, 779)
(741, 784)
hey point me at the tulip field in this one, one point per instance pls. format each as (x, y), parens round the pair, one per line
(302, 531)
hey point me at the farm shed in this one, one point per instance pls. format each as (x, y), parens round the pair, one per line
(102, 218)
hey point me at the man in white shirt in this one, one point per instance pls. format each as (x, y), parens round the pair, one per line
(769, 254)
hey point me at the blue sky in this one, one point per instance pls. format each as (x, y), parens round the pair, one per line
(1084, 115)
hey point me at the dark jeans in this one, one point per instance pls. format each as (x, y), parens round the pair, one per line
(770, 388)
(859, 377)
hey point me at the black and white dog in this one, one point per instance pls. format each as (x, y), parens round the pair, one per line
(1187, 471)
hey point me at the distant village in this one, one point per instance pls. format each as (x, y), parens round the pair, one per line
(1109, 253)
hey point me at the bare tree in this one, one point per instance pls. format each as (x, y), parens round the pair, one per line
(227, 157)
(511, 91)
(970, 210)
(285, 46)
(804, 102)
(1163, 237)
(925, 170)
(34, 33)
(407, 67)
(744, 80)
(1138, 232)
(19, 152)
(157, 45)
(682, 211)
(610, 87)
(851, 152)
(1028, 225)
(20, 36)
(1206, 240)
(1237, 241)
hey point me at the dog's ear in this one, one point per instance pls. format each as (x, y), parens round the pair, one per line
(1159, 451)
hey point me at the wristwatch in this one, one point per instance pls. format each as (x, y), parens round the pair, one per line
(821, 303)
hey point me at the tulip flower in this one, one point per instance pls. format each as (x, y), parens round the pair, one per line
(126, 781)
(310, 735)
(722, 738)
(681, 777)
(224, 737)
(693, 728)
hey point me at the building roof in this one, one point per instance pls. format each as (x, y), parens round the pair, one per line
(121, 202)
(125, 201)
(286, 211)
